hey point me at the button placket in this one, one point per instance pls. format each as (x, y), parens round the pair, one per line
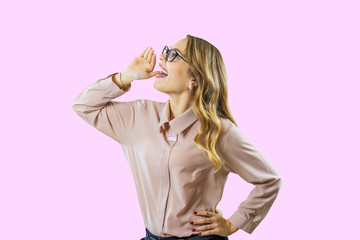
(171, 144)
(171, 135)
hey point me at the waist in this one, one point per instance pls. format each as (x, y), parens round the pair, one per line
(192, 237)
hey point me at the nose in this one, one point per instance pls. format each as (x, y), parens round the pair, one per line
(162, 57)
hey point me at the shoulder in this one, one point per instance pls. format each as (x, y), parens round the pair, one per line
(226, 125)
(155, 103)
(231, 134)
(147, 103)
(148, 110)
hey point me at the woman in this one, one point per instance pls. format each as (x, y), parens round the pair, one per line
(181, 151)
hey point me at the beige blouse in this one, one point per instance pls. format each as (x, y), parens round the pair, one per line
(174, 177)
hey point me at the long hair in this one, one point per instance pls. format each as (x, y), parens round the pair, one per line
(210, 103)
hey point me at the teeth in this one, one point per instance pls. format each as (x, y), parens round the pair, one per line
(163, 71)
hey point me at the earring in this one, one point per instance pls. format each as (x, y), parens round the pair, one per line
(190, 86)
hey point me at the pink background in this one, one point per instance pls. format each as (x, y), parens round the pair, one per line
(293, 78)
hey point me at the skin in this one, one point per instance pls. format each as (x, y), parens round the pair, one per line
(212, 223)
(176, 86)
(177, 82)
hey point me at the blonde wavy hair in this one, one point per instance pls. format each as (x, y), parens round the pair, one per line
(210, 103)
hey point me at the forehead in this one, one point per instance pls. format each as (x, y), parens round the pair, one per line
(180, 46)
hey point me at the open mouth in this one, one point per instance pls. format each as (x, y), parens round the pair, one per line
(161, 75)
(164, 72)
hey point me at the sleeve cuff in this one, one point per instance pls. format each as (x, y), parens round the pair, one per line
(241, 222)
(113, 89)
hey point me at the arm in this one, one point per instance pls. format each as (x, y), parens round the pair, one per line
(94, 105)
(242, 158)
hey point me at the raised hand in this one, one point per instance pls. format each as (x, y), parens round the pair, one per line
(142, 66)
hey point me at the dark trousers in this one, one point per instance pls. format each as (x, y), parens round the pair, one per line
(150, 236)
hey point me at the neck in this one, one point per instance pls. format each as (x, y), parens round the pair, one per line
(177, 106)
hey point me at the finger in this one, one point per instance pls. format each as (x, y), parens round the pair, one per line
(153, 61)
(147, 53)
(207, 227)
(210, 232)
(151, 52)
(203, 221)
(218, 211)
(205, 213)
(154, 73)
(143, 52)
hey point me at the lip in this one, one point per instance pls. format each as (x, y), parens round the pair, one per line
(162, 67)
(159, 76)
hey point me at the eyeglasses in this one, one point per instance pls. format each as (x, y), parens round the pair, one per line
(171, 54)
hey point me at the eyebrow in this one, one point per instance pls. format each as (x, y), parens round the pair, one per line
(177, 50)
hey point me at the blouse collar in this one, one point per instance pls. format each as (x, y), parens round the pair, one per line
(179, 123)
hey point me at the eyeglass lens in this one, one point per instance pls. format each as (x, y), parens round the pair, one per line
(170, 54)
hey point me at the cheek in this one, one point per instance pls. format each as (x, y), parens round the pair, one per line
(177, 72)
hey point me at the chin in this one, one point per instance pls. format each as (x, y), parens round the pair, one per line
(156, 87)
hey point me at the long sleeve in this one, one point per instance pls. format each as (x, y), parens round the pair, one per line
(94, 105)
(244, 159)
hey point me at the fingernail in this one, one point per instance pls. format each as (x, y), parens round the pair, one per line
(192, 222)
(200, 234)
(193, 230)
(195, 212)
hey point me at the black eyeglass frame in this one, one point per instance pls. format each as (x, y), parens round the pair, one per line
(168, 51)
